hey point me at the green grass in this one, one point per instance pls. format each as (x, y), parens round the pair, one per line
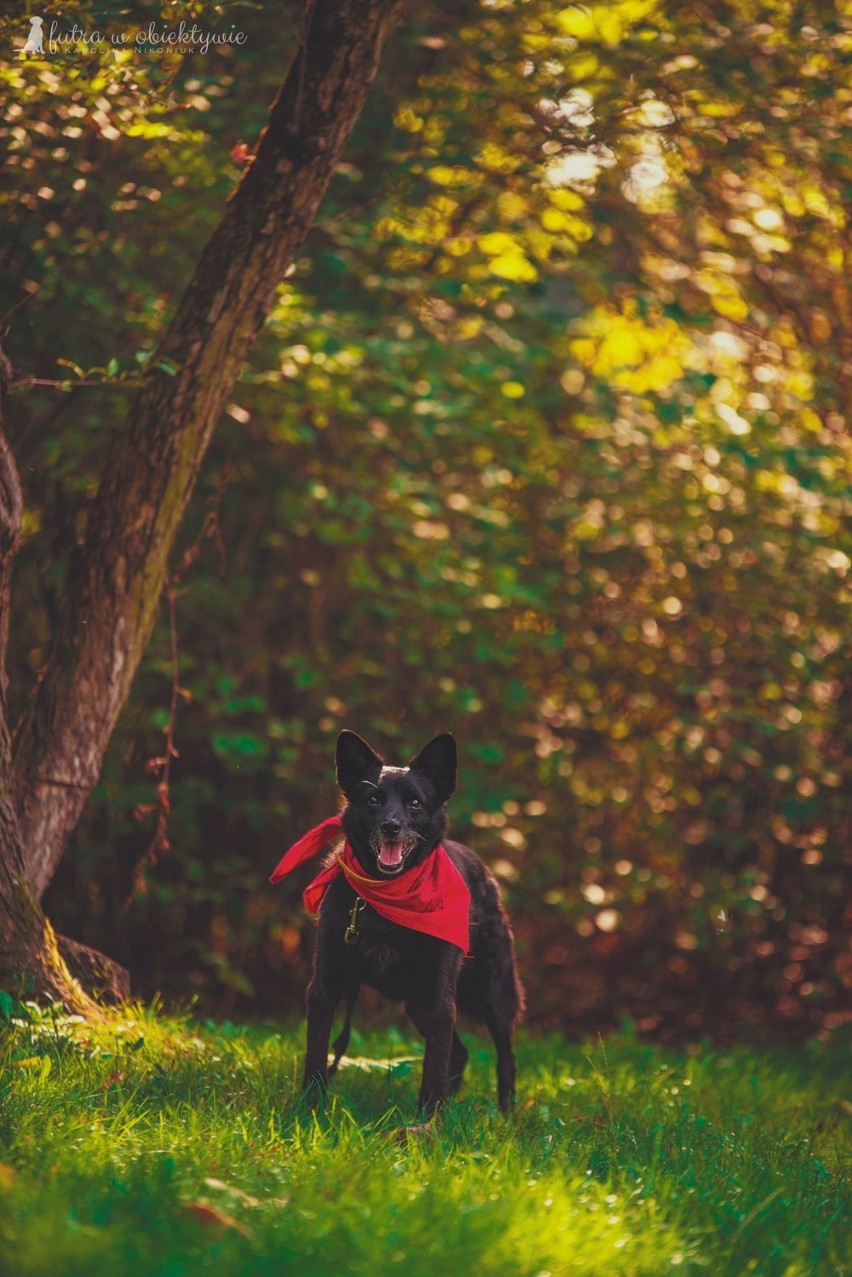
(158, 1146)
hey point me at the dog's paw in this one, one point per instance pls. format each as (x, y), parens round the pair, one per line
(314, 1095)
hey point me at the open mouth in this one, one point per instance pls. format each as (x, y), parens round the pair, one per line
(391, 857)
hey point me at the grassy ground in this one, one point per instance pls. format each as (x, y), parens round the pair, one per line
(159, 1147)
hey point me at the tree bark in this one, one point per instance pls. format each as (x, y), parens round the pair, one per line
(152, 467)
(30, 962)
(11, 513)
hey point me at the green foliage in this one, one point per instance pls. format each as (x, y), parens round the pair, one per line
(544, 444)
(158, 1146)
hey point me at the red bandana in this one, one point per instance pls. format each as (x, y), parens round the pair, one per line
(431, 897)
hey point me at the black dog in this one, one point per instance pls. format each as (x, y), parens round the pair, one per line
(394, 818)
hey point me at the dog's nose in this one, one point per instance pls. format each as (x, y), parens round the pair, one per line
(390, 828)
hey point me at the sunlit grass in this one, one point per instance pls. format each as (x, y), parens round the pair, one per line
(158, 1146)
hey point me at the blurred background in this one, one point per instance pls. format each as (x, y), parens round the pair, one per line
(545, 443)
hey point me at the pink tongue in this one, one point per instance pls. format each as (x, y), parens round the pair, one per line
(390, 854)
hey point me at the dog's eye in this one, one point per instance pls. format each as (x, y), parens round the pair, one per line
(373, 800)
(414, 802)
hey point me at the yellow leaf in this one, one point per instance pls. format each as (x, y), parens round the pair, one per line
(583, 349)
(716, 110)
(496, 159)
(577, 22)
(801, 385)
(515, 266)
(469, 327)
(447, 175)
(730, 305)
(619, 348)
(567, 200)
(406, 119)
(595, 23)
(497, 242)
(609, 26)
(657, 373)
(583, 67)
(511, 206)
(553, 220)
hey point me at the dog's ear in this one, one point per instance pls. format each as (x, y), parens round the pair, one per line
(355, 762)
(438, 762)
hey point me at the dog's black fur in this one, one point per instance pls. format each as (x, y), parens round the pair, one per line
(398, 815)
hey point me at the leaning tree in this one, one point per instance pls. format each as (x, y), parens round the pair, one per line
(149, 475)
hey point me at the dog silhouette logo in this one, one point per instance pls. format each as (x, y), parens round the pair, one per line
(34, 42)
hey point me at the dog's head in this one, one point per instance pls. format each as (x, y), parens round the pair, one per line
(395, 815)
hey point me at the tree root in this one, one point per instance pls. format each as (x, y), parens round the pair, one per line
(100, 977)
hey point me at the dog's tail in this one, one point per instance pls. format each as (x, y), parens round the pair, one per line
(341, 1042)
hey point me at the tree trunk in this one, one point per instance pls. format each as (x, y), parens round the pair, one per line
(152, 467)
(30, 962)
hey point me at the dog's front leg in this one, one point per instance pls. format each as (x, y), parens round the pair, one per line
(321, 1005)
(436, 1022)
(327, 986)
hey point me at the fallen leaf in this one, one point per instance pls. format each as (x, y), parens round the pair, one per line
(239, 1193)
(397, 1068)
(211, 1215)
